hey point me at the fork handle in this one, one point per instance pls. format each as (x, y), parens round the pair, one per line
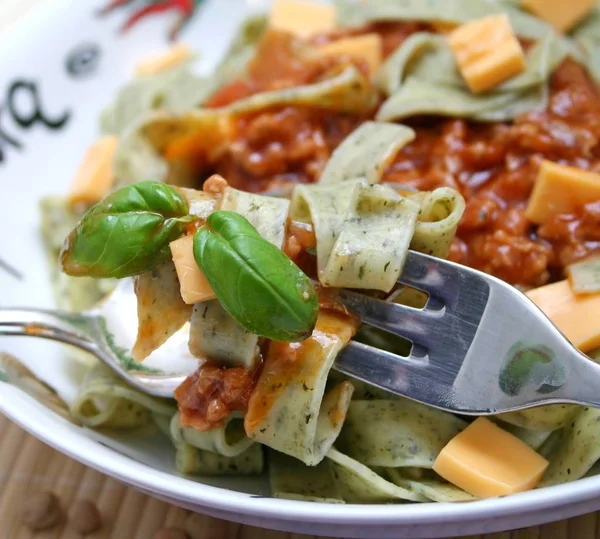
(66, 327)
(583, 383)
(46, 324)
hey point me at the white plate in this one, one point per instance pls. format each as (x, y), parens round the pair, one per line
(34, 58)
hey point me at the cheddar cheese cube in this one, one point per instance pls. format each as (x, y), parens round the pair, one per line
(487, 461)
(561, 189)
(487, 52)
(366, 48)
(94, 178)
(562, 14)
(303, 19)
(194, 285)
(165, 60)
(576, 315)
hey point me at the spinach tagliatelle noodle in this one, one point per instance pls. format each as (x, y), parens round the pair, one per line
(213, 332)
(421, 77)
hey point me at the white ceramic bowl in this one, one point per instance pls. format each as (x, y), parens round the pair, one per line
(38, 160)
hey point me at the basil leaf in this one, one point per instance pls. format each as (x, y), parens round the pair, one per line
(127, 233)
(257, 284)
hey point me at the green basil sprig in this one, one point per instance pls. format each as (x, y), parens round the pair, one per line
(126, 234)
(257, 284)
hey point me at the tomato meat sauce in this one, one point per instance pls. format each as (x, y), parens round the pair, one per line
(494, 166)
(206, 398)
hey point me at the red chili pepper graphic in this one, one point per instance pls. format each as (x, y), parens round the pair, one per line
(186, 9)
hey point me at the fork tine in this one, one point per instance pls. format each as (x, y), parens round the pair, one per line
(370, 364)
(414, 377)
(408, 322)
(408, 376)
(432, 275)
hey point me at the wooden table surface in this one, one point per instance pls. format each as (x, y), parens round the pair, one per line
(27, 467)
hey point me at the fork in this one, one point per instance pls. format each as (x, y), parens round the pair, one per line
(479, 346)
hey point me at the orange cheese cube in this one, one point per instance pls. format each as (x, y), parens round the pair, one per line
(194, 286)
(486, 461)
(562, 14)
(94, 178)
(302, 18)
(561, 189)
(165, 60)
(366, 48)
(487, 52)
(575, 315)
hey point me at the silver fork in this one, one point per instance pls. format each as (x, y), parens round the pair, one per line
(479, 345)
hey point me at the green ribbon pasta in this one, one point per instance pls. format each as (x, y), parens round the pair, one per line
(433, 488)
(292, 480)
(346, 91)
(325, 206)
(213, 332)
(372, 243)
(439, 216)
(267, 214)
(160, 308)
(421, 78)
(533, 438)
(229, 440)
(193, 460)
(174, 90)
(544, 418)
(577, 449)
(366, 152)
(104, 400)
(426, 56)
(290, 411)
(362, 231)
(419, 97)
(396, 433)
(360, 484)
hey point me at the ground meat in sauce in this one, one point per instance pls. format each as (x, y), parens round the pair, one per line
(282, 145)
(494, 166)
(206, 398)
